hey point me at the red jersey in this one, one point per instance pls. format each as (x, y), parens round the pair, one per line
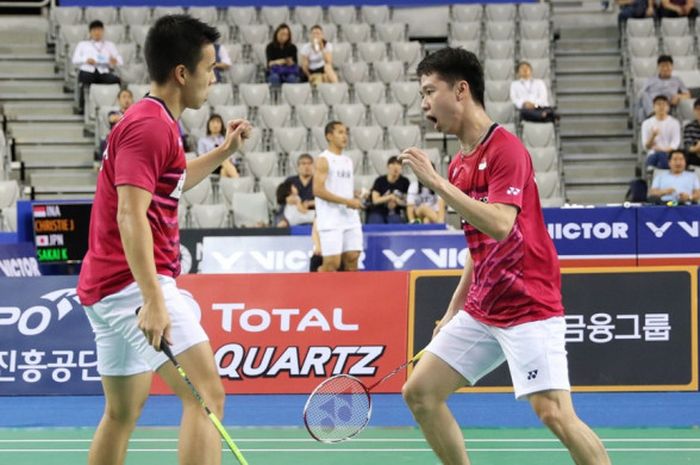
(516, 280)
(144, 150)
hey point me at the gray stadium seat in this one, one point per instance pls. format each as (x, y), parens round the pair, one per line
(290, 139)
(543, 158)
(135, 73)
(333, 94)
(268, 185)
(9, 194)
(467, 12)
(231, 112)
(354, 72)
(533, 11)
(235, 52)
(250, 209)
(254, 142)
(411, 53)
(311, 116)
(501, 112)
(371, 51)
(297, 94)
(375, 14)
(367, 138)
(643, 47)
(127, 52)
(378, 159)
(548, 184)
(195, 121)
(403, 137)
(405, 93)
(473, 46)
(342, 15)
(499, 70)
(498, 91)
(9, 219)
(318, 139)
(160, 11)
(500, 12)
(387, 114)
(242, 15)
(685, 110)
(258, 54)
(357, 157)
(251, 34)
(350, 114)
(500, 31)
(538, 134)
(207, 14)
(273, 16)
(139, 91)
(534, 49)
(388, 71)
(541, 68)
(684, 45)
(138, 33)
(99, 95)
(674, 27)
(643, 67)
(370, 93)
(241, 73)
(254, 95)
(229, 187)
(115, 33)
(199, 194)
(65, 16)
(499, 50)
(220, 94)
(330, 32)
(534, 30)
(685, 63)
(209, 216)
(364, 181)
(391, 32)
(690, 78)
(465, 31)
(356, 33)
(640, 27)
(274, 116)
(308, 15)
(342, 52)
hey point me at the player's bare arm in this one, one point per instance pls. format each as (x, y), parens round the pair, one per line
(319, 180)
(137, 240)
(495, 220)
(237, 131)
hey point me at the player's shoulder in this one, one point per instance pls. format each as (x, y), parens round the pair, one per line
(503, 141)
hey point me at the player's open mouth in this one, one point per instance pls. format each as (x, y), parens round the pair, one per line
(432, 119)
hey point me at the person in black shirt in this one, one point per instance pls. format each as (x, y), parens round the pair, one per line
(388, 195)
(303, 181)
(281, 53)
(691, 137)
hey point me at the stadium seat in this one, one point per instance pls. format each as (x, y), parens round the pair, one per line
(250, 210)
(534, 49)
(356, 33)
(405, 93)
(99, 95)
(350, 114)
(538, 135)
(224, 31)
(9, 194)
(254, 95)
(160, 11)
(500, 31)
(501, 112)
(643, 47)
(640, 27)
(541, 68)
(371, 51)
(643, 67)
(411, 53)
(273, 16)
(330, 32)
(364, 182)
(378, 159)
(342, 15)
(370, 93)
(134, 73)
(274, 116)
(199, 194)
(674, 27)
(500, 12)
(387, 114)
(499, 50)
(534, 30)
(464, 13)
(375, 14)
(139, 91)
(403, 137)
(499, 70)
(308, 15)
(235, 52)
(195, 121)
(138, 33)
(209, 216)
(311, 116)
(548, 184)
(297, 31)
(685, 110)
(498, 91)
(543, 158)
(220, 94)
(254, 142)
(127, 52)
(533, 11)
(390, 32)
(691, 78)
(268, 186)
(242, 16)
(357, 157)
(473, 46)
(230, 112)
(342, 52)
(367, 138)
(684, 45)
(258, 54)
(297, 94)
(354, 72)
(229, 187)
(333, 94)
(241, 73)
(65, 16)
(115, 33)
(685, 63)
(207, 14)
(318, 138)
(388, 71)
(465, 31)
(290, 139)
(251, 34)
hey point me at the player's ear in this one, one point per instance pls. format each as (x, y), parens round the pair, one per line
(462, 90)
(180, 73)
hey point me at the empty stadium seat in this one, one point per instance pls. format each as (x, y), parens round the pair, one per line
(342, 15)
(388, 71)
(312, 115)
(308, 15)
(333, 93)
(290, 139)
(241, 15)
(403, 137)
(250, 209)
(274, 116)
(371, 51)
(209, 216)
(370, 92)
(220, 94)
(543, 158)
(375, 14)
(367, 138)
(467, 12)
(387, 114)
(296, 94)
(350, 114)
(391, 32)
(500, 12)
(354, 72)
(254, 95)
(160, 11)
(498, 91)
(273, 16)
(356, 33)
(538, 134)
(207, 14)
(230, 187)
(231, 112)
(199, 194)
(501, 112)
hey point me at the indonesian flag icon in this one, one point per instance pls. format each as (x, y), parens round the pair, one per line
(39, 211)
(42, 241)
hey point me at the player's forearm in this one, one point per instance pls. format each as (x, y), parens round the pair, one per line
(137, 241)
(488, 219)
(201, 167)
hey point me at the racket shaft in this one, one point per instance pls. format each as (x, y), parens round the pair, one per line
(415, 358)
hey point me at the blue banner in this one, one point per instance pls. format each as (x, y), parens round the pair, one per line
(669, 231)
(47, 343)
(415, 251)
(18, 260)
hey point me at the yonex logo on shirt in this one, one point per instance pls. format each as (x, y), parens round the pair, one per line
(513, 191)
(532, 374)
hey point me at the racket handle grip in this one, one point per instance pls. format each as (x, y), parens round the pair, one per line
(164, 347)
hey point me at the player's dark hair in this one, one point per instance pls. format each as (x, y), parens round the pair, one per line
(393, 160)
(664, 59)
(330, 127)
(305, 156)
(96, 24)
(455, 64)
(176, 40)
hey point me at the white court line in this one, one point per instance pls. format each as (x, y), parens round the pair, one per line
(369, 440)
(305, 451)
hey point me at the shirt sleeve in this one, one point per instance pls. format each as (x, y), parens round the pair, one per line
(656, 182)
(509, 172)
(696, 182)
(412, 194)
(675, 133)
(542, 99)
(115, 53)
(645, 133)
(515, 95)
(141, 154)
(306, 49)
(223, 55)
(681, 86)
(79, 54)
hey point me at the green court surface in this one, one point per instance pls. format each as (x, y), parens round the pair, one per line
(375, 446)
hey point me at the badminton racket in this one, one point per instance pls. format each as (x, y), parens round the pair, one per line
(341, 406)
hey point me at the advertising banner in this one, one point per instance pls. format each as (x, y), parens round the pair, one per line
(46, 342)
(274, 333)
(256, 254)
(18, 260)
(628, 329)
(669, 235)
(415, 251)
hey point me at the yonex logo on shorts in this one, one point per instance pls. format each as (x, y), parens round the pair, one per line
(532, 374)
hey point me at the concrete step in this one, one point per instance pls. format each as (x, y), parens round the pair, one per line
(596, 195)
(577, 133)
(592, 44)
(15, 49)
(621, 145)
(587, 69)
(593, 124)
(64, 195)
(33, 87)
(620, 90)
(602, 171)
(27, 67)
(610, 60)
(603, 49)
(585, 158)
(21, 96)
(591, 102)
(38, 156)
(590, 81)
(67, 179)
(603, 112)
(46, 131)
(46, 109)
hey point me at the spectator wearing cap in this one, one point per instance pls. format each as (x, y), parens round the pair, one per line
(664, 83)
(661, 134)
(97, 59)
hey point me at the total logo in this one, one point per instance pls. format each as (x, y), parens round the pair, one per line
(445, 257)
(34, 320)
(692, 228)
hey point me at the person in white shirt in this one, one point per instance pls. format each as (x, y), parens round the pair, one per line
(676, 185)
(292, 210)
(97, 59)
(317, 58)
(661, 133)
(337, 216)
(223, 61)
(530, 96)
(424, 205)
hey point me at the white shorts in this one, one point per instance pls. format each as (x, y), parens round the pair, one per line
(338, 241)
(122, 349)
(535, 352)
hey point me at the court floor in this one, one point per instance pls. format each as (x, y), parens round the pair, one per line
(375, 446)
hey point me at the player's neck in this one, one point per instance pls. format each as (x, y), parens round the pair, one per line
(334, 149)
(474, 128)
(170, 96)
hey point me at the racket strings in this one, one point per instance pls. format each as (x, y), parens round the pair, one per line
(338, 409)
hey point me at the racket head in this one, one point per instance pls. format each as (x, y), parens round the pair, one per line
(338, 409)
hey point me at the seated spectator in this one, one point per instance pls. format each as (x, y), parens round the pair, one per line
(317, 58)
(424, 205)
(677, 9)
(691, 137)
(223, 61)
(214, 138)
(661, 134)
(125, 99)
(388, 196)
(303, 180)
(530, 96)
(634, 9)
(292, 210)
(97, 59)
(677, 185)
(663, 84)
(281, 56)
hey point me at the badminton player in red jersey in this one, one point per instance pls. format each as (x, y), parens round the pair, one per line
(507, 305)
(134, 248)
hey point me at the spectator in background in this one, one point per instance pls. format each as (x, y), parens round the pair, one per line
(388, 195)
(634, 9)
(213, 139)
(292, 210)
(530, 96)
(303, 181)
(676, 185)
(663, 84)
(124, 99)
(97, 59)
(424, 205)
(223, 61)
(281, 56)
(677, 9)
(691, 137)
(317, 58)
(661, 133)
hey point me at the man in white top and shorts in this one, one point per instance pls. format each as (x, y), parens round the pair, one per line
(337, 216)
